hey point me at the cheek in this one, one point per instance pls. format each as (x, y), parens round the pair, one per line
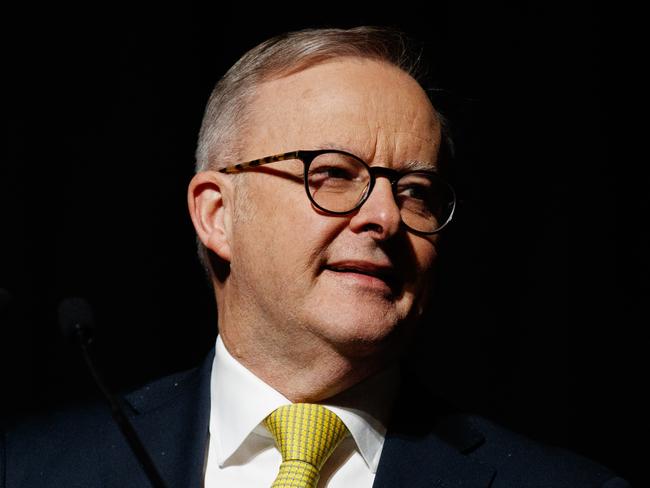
(295, 228)
(283, 235)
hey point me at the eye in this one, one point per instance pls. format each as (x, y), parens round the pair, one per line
(417, 187)
(415, 191)
(335, 168)
(336, 172)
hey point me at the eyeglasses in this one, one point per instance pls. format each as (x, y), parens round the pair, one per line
(339, 183)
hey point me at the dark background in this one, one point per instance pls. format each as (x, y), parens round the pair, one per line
(539, 303)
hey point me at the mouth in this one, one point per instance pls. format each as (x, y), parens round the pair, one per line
(369, 275)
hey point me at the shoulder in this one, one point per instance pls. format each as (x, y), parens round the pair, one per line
(518, 460)
(431, 439)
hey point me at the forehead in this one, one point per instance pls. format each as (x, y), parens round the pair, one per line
(367, 107)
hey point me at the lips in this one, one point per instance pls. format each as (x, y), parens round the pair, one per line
(384, 272)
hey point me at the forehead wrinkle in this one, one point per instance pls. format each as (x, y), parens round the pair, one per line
(377, 145)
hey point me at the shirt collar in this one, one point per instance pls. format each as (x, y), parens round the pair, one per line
(241, 401)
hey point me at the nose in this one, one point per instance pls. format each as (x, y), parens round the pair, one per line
(379, 214)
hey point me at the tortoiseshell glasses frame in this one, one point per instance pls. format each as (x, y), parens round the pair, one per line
(394, 176)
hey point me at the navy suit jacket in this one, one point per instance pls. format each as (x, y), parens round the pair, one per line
(427, 446)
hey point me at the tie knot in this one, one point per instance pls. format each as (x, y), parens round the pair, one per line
(306, 432)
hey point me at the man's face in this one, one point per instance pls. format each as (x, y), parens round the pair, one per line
(304, 275)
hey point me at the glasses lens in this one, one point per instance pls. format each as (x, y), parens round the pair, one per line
(337, 182)
(425, 200)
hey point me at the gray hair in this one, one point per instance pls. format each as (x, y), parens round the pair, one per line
(227, 111)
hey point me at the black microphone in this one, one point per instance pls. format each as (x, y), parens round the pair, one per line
(77, 323)
(76, 320)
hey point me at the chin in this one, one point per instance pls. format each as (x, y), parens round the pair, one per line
(362, 332)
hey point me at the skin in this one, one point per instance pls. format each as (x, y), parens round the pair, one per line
(308, 331)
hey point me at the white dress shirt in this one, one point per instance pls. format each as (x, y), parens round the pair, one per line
(241, 451)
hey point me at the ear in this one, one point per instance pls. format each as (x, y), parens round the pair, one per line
(209, 198)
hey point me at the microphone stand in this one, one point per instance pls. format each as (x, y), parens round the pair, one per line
(82, 333)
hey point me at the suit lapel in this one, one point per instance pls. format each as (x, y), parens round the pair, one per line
(427, 462)
(426, 446)
(172, 418)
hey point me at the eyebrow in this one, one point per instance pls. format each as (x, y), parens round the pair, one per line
(408, 165)
(415, 165)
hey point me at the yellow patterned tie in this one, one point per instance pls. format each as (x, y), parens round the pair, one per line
(306, 435)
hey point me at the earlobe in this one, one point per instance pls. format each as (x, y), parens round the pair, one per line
(208, 198)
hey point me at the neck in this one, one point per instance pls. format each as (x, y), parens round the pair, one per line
(307, 374)
(299, 364)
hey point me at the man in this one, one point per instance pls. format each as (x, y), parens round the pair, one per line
(318, 205)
